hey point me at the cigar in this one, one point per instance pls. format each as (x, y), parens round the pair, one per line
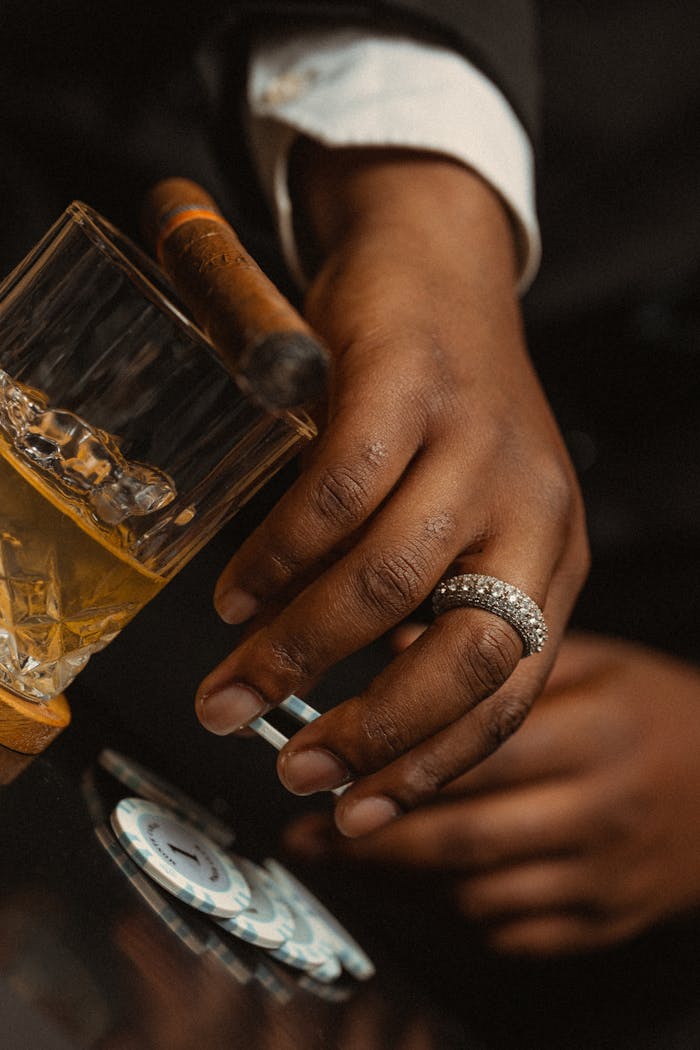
(275, 356)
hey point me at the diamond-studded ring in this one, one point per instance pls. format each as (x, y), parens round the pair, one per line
(472, 590)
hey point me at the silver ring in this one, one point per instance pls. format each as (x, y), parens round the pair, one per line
(496, 596)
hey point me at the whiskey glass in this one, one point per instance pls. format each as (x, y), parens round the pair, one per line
(125, 444)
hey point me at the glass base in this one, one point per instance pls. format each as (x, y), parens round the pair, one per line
(27, 729)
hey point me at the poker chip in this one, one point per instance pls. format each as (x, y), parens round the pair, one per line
(267, 921)
(151, 894)
(149, 785)
(328, 971)
(299, 709)
(329, 930)
(304, 949)
(180, 857)
(230, 962)
(199, 938)
(331, 993)
(91, 797)
(272, 984)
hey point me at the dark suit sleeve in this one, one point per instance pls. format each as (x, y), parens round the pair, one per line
(122, 42)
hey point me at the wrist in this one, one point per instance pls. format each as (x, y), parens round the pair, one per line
(416, 201)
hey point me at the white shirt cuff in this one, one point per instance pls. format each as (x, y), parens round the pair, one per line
(343, 87)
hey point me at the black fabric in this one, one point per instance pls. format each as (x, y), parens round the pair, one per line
(624, 383)
(98, 101)
(619, 165)
(614, 315)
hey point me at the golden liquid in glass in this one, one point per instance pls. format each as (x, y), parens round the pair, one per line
(65, 588)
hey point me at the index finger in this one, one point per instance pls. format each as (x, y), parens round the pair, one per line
(355, 466)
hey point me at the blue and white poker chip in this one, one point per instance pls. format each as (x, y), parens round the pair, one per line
(150, 893)
(304, 949)
(195, 934)
(328, 971)
(267, 921)
(272, 983)
(329, 930)
(338, 992)
(180, 857)
(147, 784)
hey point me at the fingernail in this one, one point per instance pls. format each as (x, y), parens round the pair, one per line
(304, 772)
(230, 709)
(365, 815)
(235, 605)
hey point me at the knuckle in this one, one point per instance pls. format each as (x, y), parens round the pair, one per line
(340, 495)
(385, 733)
(557, 493)
(554, 486)
(490, 654)
(391, 582)
(292, 657)
(284, 563)
(441, 528)
(421, 778)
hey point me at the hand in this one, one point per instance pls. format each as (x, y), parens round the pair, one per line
(583, 829)
(440, 454)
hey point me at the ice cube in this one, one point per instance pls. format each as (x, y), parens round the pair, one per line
(82, 458)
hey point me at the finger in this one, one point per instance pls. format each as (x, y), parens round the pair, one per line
(559, 740)
(562, 721)
(458, 660)
(406, 634)
(575, 727)
(473, 834)
(366, 734)
(539, 885)
(580, 655)
(552, 741)
(391, 570)
(313, 837)
(352, 471)
(582, 660)
(559, 933)
(403, 713)
(403, 709)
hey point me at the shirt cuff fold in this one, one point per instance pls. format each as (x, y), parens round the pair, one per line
(342, 87)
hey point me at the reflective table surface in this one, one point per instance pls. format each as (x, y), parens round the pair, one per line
(90, 962)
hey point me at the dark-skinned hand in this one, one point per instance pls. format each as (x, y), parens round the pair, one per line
(439, 455)
(582, 830)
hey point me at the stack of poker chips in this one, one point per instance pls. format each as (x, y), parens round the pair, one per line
(161, 839)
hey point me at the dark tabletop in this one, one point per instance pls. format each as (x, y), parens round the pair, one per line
(86, 962)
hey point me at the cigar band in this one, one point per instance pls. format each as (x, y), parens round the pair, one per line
(177, 217)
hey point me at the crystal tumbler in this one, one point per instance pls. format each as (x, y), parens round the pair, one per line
(125, 444)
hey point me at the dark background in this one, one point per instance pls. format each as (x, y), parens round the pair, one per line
(613, 326)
